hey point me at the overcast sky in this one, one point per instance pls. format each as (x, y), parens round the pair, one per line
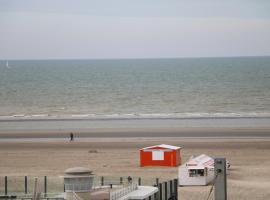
(53, 29)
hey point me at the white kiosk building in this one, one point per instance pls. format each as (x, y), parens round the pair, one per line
(197, 171)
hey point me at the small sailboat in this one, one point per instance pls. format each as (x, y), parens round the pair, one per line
(7, 65)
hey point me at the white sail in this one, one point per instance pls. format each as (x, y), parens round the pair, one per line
(7, 64)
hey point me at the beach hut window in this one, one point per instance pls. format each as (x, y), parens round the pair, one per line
(157, 155)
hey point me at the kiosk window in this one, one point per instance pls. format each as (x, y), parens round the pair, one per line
(196, 172)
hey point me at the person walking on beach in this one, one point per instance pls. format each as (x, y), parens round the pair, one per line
(71, 136)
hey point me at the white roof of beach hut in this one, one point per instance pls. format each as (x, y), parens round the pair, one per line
(200, 161)
(165, 146)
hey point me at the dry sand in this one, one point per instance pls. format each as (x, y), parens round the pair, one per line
(249, 176)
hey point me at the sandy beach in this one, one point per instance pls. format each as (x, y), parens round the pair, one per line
(120, 76)
(118, 156)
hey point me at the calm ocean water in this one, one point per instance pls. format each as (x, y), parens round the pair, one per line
(193, 87)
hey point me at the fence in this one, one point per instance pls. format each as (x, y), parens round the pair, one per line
(22, 187)
(167, 190)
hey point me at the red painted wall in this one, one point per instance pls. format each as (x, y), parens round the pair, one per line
(171, 158)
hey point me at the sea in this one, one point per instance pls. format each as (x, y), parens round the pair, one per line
(175, 88)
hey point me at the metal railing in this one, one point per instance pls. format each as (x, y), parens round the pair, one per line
(51, 187)
(75, 196)
(78, 187)
(114, 195)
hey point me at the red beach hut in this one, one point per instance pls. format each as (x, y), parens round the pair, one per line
(160, 155)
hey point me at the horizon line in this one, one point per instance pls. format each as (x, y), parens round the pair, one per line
(133, 58)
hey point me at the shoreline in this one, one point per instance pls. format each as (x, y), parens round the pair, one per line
(176, 132)
(116, 117)
(82, 140)
(152, 127)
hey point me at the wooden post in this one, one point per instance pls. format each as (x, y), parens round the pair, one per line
(220, 179)
(139, 181)
(45, 186)
(121, 180)
(25, 184)
(6, 186)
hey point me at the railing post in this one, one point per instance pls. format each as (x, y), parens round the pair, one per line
(220, 179)
(165, 190)
(6, 189)
(35, 192)
(155, 196)
(121, 180)
(139, 181)
(25, 184)
(171, 187)
(157, 181)
(102, 180)
(176, 188)
(160, 191)
(45, 186)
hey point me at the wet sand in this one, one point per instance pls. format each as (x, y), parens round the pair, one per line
(117, 156)
(201, 132)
